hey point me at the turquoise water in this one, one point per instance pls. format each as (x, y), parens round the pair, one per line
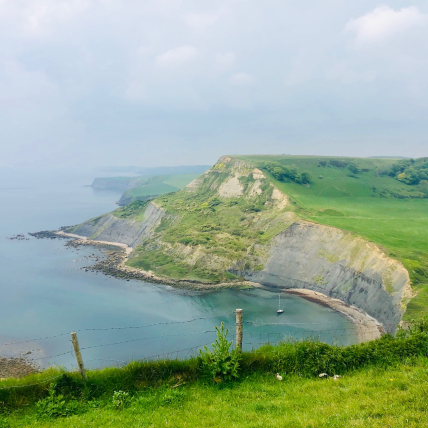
(45, 292)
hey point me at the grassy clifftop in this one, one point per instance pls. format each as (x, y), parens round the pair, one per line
(370, 203)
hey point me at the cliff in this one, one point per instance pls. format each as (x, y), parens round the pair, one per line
(340, 265)
(234, 222)
(129, 231)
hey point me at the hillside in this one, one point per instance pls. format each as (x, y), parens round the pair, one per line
(286, 221)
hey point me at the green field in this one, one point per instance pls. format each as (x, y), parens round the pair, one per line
(347, 201)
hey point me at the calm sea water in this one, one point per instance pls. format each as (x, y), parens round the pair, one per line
(45, 292)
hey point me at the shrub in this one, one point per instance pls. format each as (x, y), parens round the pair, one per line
(221, 363)
(69, 386)
(121, 399)
(4, 423)
(410, 171)
(56, 406)
(282, 173)
(420, 326)
(415, 327)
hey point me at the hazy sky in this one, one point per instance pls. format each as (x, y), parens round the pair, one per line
(165, 82)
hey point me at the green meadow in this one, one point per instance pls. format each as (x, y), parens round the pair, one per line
(357, 203)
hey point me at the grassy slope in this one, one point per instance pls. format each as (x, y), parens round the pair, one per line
(372, 397)
(223, 228)
(400, 226)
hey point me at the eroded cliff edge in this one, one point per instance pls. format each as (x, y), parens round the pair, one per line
(340, 265)
(233, 220)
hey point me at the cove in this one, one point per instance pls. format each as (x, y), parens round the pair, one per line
(46, 292)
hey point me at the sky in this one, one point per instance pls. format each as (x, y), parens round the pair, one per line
(170, 82)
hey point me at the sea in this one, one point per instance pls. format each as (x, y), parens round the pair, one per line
(46, 293)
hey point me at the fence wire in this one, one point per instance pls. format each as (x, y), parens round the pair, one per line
(262, 334)
(162, 323)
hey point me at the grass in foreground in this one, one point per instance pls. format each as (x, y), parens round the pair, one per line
(384, 383)
(372, 397)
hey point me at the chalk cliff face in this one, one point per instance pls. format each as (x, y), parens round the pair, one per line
(340, 265)
(233, 219)
(129, 231)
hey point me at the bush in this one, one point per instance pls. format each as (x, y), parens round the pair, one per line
(56, 406)
(4, 423)
(121, 399)
(282, 173)
(420, 326)
(415, 327)
(69, 386)
(410, 171)
(221, 363)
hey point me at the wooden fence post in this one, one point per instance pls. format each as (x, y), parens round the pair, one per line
(239, 329)
(78, 354)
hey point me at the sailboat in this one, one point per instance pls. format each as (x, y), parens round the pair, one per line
(279, 311)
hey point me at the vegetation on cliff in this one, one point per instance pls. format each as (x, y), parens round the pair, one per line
(227, 220)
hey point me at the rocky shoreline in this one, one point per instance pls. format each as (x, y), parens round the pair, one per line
(114, 265)
(16, 367)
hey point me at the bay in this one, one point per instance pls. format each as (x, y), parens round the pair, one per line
(45, 291)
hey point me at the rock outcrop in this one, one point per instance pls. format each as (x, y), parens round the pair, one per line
(129, 231)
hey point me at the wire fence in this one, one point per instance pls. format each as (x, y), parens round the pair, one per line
(120, 347)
